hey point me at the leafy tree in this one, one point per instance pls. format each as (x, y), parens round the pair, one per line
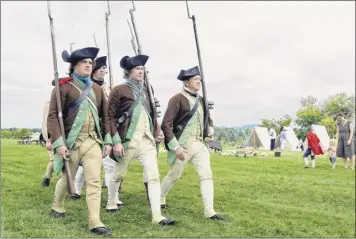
(308, 115)
(329, 124)
(6, 134)
(339, 103)
(25, 132)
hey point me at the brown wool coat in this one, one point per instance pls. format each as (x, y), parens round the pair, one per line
(68, 95)
(120, 99)
(178, 108)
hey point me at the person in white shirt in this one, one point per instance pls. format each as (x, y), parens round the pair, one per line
(273, 136)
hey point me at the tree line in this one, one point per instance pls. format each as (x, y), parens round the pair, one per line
(16, 133)
(311, 112)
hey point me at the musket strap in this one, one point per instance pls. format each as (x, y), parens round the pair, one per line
(84, 94)
(185, 120)
(129, 111)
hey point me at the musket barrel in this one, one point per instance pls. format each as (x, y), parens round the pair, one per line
(96, 44)
(108, 46)
(132, 38)
(206, 103)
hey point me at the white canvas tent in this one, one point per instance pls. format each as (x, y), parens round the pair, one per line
(259, 139)
(322, 134)
(292, 141)
(35, 136)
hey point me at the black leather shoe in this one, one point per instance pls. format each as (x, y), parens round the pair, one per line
(218, 217)
(113, 211)
(101, 231)
(75, 197)
(167, 222)
(45, 182)
(164, 206)
(57, 214)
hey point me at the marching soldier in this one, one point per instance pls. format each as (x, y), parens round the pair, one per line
(84, 105)
(132, 133)
(45, 136)
(182, 126)
(48, 175)
(97, 77)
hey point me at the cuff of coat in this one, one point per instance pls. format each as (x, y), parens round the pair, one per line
(173, 143)
(116, 139)
(57, 164)
(59, 142)
(108, 139)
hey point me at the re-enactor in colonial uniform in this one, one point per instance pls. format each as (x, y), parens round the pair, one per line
(46, 137)
(97, 76)
(132, 133)
(83, 106)
(48, 175)
(182, 126)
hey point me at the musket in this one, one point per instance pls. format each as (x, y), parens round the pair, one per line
(207, 105)
(108, 45)
(132, 38)
(71, 189)
(96, 44)
(72, 43)
(71, 46)
(153, 102)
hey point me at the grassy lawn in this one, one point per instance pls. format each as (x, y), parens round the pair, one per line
(261, 196)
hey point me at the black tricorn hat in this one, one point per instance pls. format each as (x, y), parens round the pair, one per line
(80, 54)
(186, 74)
(99, 62)
(128, 63)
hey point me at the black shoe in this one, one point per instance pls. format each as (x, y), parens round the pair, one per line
(306, 166)
(218, 217)
(101, 231)
(75, 197)
(57, 214)
(113, 211)
(167, 222)
(164, 206)
(45, 182)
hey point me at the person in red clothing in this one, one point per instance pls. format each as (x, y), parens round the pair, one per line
(313, 149)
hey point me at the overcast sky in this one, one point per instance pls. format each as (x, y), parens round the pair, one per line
(259, 58)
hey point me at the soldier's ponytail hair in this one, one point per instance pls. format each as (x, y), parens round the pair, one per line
(126, 74)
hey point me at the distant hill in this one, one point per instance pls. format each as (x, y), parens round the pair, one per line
(247, 126)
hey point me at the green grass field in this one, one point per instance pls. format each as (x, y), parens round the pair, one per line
(261, 196)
